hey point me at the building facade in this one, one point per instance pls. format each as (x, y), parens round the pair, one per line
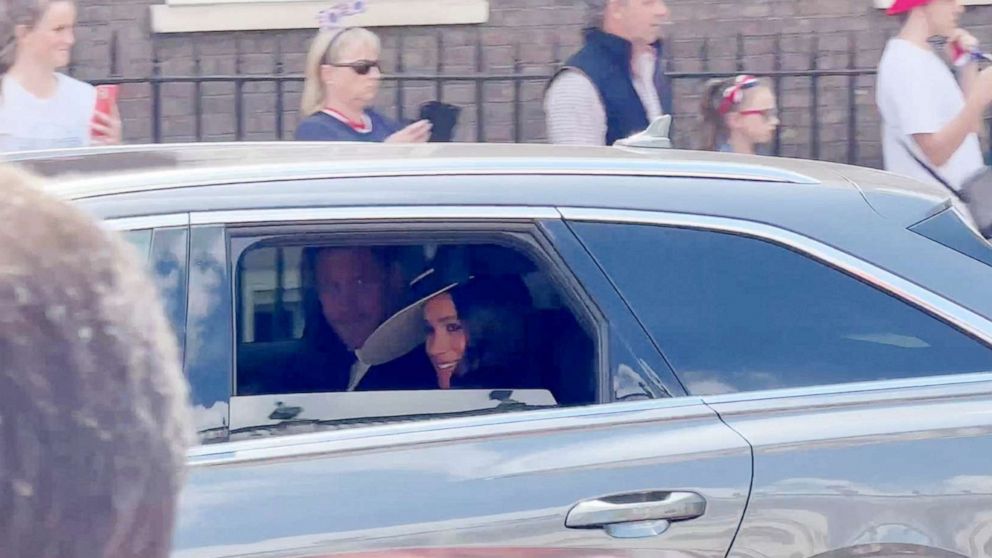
(213, 70)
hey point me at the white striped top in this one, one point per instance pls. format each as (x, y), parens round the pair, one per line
(575, 112)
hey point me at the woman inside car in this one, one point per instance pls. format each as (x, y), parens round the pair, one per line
(476, 335)
(341, 83)
(477, 332)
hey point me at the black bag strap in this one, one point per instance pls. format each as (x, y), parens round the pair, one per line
(927, 167)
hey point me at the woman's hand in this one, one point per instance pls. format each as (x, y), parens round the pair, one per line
(106, 129)
(418, 132)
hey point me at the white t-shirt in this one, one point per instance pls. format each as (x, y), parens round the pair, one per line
(29, 123)
(917, 93)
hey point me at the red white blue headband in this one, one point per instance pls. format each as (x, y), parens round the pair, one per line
(734, 94)
(331, 18)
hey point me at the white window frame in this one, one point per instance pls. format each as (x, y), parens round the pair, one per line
(190, 16)
(884, 4)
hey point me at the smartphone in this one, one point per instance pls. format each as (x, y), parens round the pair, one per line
(443, 117)
(106, 98)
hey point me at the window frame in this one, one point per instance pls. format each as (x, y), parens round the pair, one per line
(884, 4)
(193, 16)
(524, 235)
(966, 321)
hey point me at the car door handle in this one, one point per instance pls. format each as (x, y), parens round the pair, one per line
(639, 507)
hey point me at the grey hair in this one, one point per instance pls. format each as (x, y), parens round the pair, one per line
(94, 410)
(596, 12)
(14, 13)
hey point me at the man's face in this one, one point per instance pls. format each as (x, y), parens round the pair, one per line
(638, 21)
(352, 285)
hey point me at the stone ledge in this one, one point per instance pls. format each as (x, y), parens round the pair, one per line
(191, 16)
(884, 4)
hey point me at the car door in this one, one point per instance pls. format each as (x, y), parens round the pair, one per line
(646, 477)
(867, 413)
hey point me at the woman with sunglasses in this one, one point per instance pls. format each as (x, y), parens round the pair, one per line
(342, 80)
(739, 114)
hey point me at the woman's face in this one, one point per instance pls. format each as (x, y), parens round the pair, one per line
(446, 338)
(757, 117)
(348, 85)
(49, 42)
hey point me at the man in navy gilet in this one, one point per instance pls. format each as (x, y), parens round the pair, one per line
(616, 85)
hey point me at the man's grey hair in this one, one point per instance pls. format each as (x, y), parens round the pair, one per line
(597, 12)
(94, 411)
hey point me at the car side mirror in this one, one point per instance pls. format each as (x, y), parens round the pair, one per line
(655, 136)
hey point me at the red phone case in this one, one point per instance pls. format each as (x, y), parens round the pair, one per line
(106, 98)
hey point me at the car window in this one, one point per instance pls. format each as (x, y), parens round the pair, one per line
(332, 335)
(141, 240)
(949, 229)
(733, 313)
(164, 251)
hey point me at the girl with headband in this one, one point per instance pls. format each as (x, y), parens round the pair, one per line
(739, 114)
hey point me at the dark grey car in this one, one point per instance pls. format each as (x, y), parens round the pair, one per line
(744, 356)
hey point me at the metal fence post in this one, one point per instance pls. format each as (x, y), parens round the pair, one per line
(279, 69)
(239, 88)
(156, 94)
(480, 97)
(814, 105)
(852, 100)
(777, 68)
(197, 92)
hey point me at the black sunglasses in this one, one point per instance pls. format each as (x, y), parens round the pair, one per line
(361, 67)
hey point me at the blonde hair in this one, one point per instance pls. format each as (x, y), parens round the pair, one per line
(326, 48)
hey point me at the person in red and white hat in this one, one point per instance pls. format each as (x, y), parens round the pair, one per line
(930, 116)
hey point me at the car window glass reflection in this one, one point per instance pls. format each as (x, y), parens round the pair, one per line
(733, 313)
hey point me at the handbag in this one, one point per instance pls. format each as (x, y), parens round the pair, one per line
(975, 193)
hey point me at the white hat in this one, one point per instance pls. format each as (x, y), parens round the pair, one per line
(404, 330)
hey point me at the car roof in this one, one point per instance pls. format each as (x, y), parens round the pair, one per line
(100, 171)
(861, 211)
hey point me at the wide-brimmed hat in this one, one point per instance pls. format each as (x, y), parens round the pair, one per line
(404, 330)
(903, 6)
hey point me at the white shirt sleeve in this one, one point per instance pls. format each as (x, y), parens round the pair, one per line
(915, 97)
(575, 113)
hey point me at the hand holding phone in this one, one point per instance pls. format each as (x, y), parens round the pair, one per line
(105, 125)
(418, 132)
(443, 117)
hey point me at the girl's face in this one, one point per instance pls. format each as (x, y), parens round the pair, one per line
(446, 338)
(757, 117)
(49, 42)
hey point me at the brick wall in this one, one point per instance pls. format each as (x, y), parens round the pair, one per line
(533, 33)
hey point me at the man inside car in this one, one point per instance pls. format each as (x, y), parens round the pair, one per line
(354, 290)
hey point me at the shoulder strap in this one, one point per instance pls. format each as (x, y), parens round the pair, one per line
(926, 167)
